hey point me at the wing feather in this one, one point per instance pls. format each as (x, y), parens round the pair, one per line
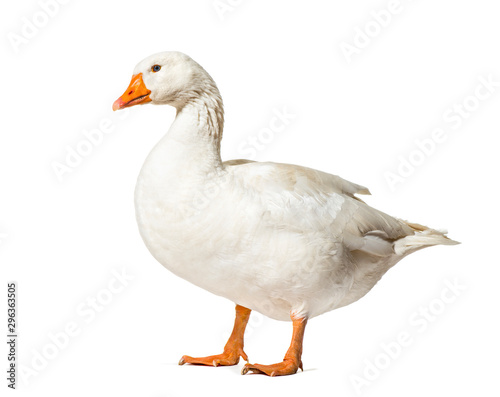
(292, 194)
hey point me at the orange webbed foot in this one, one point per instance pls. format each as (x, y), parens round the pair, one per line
(292, 361)
(234, 346)
(230, 357)
(286, 367)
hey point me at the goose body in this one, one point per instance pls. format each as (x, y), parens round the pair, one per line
(287, 241)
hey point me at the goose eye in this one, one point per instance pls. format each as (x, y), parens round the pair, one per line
(155, 68)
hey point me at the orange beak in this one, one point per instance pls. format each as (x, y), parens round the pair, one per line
(135, 94)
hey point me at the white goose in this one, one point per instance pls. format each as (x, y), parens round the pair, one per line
(287, 241)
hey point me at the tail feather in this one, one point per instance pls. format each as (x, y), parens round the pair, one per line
(423, 237)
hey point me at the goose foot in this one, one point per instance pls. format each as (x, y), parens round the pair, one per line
(234, 346)
(286, 367)
(229, 357)
(292, 361)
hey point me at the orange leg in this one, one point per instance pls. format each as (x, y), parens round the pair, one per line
(234, 346)
(292, 362)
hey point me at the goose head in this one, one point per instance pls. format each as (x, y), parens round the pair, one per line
(170, 78)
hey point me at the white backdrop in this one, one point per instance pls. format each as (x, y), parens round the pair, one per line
(399, 96)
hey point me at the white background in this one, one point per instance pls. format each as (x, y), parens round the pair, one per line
(61, 240)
